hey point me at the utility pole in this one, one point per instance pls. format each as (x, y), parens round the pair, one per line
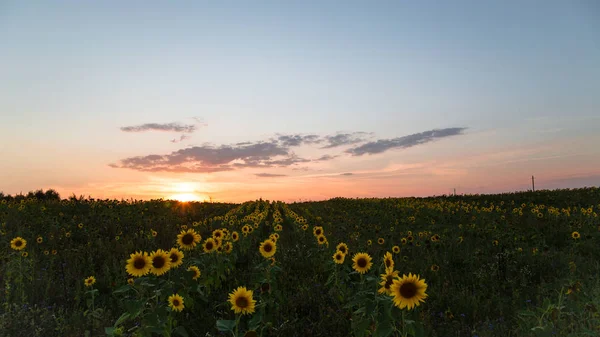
(533, 183)
(455, 192)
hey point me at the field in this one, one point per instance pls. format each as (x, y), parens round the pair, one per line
(517, 264)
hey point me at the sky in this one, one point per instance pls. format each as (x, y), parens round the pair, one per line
(298, 100)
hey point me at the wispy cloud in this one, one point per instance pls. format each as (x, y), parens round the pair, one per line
(297, 140)
(347, 174)
(383, 145)
(181, 139)
(344, 139)
(167, 127)
(269, 175)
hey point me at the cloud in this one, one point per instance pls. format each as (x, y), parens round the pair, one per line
(168, 127)
(404, 142)
(325, 157)
(344, 139)
(347, 174)
(208, 158)
(269, 175)
(297, 140)
(181, 139)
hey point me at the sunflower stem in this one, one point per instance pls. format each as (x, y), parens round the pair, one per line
(404, 330)
(237, 323)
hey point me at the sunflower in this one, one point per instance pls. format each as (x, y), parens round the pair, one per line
(139, 264)
(321, 239)
(278, 228)
(574, 235)
(317, 230)
(130, 281)
(339, 257)
(235, 236)
(54, 252)
(24, 254)
(89, 281)
(80, 225)
(46, 252)
(388, 260)
(369, 242)
(268, 248)
(387, 280)
(396, 249)
(409, 291)
(274, 237)
(246, 229)
(217, 234)
(176, 257)
(209, 245)
(410, 238)
(495, 242)
(435, 267)
(241, 301)
(161, 262)
(176, 302)
(154, 233)
(39, 239)
(342, 247)
(403, 241)
(460, 239)
(380, 241)
(362, 262)
(18, 243)
(228, 247)
(196, 272)
(409, 233)
(188, 239)
(304, 227)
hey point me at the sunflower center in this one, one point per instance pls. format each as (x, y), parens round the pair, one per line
(338, 256)
(362, 262)
(187, 239)
(343, 249)
(388, 263)
(158, 262)
(321, 238)
(18, 243)
(174, 258)
(318, 232)
(408, 290)
(268, 248)
(241, 302)
(139, 263)
(175, 302)
(389, 280)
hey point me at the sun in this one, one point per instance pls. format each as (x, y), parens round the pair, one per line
(185, 197)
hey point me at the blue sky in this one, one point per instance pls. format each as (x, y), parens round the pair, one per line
(516, 74)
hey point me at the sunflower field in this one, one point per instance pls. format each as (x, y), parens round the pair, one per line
(515, 264)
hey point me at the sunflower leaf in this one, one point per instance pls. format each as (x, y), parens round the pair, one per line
(225, 325)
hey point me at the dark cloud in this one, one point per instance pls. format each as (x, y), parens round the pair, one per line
(170, 127)
(346, 174)
(269, 175)
(383, 145)
(181, 139)
(344, 139)
(326, 157)
(208, 158)
(297, 140)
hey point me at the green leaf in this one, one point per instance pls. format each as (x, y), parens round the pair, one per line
(254, 322)
(384, 329)
(181, 331)
(125, 316)
(122, 289)
(359, 326)
(109, 331)
(225, 325)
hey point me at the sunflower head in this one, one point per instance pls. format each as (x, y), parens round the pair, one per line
(24, 254)
(39, 239)
(161, 262)
(362, 262)
(403, 241)
(209, 245)
(317, 230)
(196, 272)
(154, 233)
(339, 257)
(576, 235)
(235, 236)
(342, 247)
(435, 267)
(321, 239)
(396, 250)
(89, 281)
(217, 234)
(268, 248)
(387, 280)
(241, 301)
(380, 241)
(409, 291)
(130, 281)
(139, 264)
(176, 257)
(188, 239)
(18, 243)
(176, 302)
(388, 261)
